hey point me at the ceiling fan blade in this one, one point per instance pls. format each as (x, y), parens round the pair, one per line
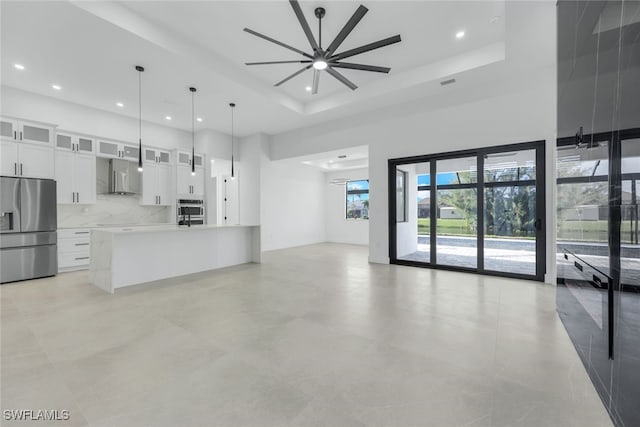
(262, 36)
(361, 67)
(278, 62)
(316, 81)
(303, 69)
(341, 78)
(349, 26)
(366, 48)
(305, 25)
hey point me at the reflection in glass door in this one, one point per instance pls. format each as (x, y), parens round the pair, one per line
(413, 208)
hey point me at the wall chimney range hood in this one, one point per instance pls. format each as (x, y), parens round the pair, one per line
(124, 177)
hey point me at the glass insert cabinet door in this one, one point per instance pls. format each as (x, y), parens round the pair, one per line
(445, 213)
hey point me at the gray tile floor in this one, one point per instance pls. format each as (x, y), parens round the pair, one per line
(314, 336)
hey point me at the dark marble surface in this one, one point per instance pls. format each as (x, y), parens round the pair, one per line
(599, 90)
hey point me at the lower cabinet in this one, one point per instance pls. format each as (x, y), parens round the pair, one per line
(73, 249)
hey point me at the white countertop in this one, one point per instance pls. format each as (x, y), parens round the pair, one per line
(158, 228)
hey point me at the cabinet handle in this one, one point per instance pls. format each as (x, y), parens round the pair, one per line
(82, 244)
(15, 169)
(21, 169)
(81, 232)
(73, 196)
(15, 135)
(82, 257)
(20, 135)
(78, 197)
(159, 200)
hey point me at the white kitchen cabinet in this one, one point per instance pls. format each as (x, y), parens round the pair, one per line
(8, 158)
(156, 185)
(26, 160)
(117, 150)
(188, 184)
(9, 129)
(184, 158)
(73, 249)
(76, 178)
(77, 143)
(154, 155)
(25, 131)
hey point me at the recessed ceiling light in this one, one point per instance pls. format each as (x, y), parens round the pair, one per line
(308, 88)
(18, 66)
(168, 117)
(56, 87)
(460, 34)
(199, 119)
(120, 104)
(342, 156)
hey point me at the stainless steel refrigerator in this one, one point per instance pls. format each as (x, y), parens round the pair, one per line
(28, 221)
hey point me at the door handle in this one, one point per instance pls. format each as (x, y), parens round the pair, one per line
(539, 224)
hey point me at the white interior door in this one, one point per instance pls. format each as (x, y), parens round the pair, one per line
(85, 178)
(65, 177)
(183, 180)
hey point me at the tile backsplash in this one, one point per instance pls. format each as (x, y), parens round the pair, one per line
(113, 209)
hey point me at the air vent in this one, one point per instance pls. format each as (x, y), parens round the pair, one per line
(447, 82)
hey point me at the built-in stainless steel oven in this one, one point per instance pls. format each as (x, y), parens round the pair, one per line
(190, 212)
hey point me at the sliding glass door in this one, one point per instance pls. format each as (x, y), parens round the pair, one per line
(445, 214)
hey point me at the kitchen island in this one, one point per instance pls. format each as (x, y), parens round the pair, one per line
(125, 256)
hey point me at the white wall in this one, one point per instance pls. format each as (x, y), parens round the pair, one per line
(340, 229)
(527, 114)
(291, 205)
(91, 121)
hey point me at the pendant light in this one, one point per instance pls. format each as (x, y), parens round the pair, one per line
(233, 106)
(139, 69)
(193, 132)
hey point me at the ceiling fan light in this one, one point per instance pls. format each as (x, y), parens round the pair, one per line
(320, 64)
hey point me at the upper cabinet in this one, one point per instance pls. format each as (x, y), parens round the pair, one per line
(154, 155)
(26, 149)
(188, 183)
(77, 143)
(24, 131)
(117, 150)
(184, 158)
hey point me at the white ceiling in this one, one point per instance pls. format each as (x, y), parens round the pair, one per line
(90, 49)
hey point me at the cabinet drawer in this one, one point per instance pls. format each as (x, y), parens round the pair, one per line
(73, 259)
(68, 233)
(74, 245)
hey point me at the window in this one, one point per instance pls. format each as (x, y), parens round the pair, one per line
(401, 196)
(357, 199)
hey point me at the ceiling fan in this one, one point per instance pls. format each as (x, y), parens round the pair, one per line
(327, 59)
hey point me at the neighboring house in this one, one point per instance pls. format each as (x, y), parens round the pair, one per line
(424, 207)
(450, 212)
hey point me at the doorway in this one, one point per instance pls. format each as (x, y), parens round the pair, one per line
(444, 214)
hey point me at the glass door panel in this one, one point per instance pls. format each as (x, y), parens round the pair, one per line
(456, 215)
(413, 208)
(510, 212)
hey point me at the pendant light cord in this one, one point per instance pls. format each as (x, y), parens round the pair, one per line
(193, 131)
(140, 107)
(232, 139)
